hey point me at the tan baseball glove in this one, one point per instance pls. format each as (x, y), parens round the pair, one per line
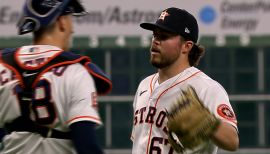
(190, 123)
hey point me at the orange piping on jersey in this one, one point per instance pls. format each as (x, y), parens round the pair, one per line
(33, 68)
(151, 85)
(58, 64)
(18, 76)
(150, 133)
(101, 77)
(87, 117)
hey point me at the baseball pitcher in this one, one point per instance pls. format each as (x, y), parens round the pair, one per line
(180, 109)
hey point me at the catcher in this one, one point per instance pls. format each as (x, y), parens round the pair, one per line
(48, 95)
(180, 109)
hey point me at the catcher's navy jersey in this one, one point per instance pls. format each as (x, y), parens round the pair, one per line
(65, 94)
(149, 134)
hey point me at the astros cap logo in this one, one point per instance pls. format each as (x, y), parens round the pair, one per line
(163, 15)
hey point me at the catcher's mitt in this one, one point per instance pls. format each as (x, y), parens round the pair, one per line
(190, 123)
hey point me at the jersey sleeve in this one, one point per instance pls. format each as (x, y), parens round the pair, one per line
(217, 101)
(82, 92)
(9, 105)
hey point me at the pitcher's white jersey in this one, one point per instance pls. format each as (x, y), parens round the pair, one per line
(68, 93)
(152, 100)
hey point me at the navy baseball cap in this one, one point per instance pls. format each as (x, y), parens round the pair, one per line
(177, 21)
(41, 13)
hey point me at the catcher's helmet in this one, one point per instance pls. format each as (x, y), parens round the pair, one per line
(41, 13)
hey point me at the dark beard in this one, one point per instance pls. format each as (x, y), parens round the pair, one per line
(161, 64)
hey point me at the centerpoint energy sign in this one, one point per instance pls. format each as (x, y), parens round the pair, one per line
(243, 15)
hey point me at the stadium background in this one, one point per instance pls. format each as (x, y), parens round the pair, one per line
(237, 43)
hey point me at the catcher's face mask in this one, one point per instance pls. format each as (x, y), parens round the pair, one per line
(41, 13)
